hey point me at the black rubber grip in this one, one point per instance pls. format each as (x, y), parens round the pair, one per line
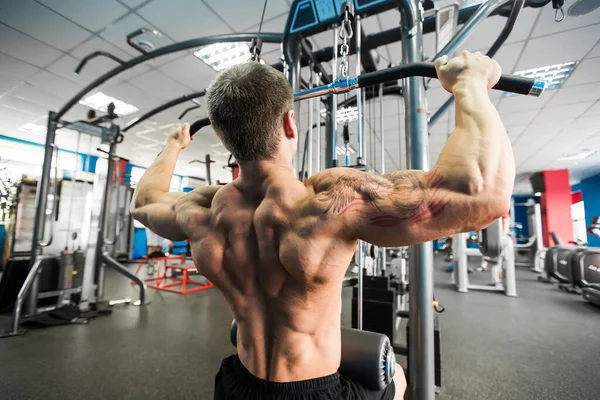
(199, 124)
(507, 83)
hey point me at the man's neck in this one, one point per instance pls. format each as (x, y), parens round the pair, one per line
(256, 172)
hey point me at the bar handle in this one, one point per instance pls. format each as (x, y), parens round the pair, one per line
(54, 202)
(507, 83)
(199, 124)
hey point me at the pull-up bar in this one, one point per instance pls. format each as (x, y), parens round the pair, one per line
(507, 83)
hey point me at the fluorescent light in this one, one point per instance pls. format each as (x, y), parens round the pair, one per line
(341, 150)
(553, 75)
(344, 114)
(219, 56)
(538, 194)
(578, 156)
(100, 101)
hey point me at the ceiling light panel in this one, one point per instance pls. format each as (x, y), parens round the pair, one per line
(220, 56)
(100, 101)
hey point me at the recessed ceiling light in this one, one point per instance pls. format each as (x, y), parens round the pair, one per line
(344, 114)
(578, 156)
(219, 56)
(538, 194)
(553, 75)
(100, 101)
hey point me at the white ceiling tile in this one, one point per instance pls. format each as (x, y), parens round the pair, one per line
(586, 122)
(54, 84)
(15, 68)
(239, 13)
(144, 99)
(507, 57)
(38, 96)
(11, 116)
(594, 110)
(518, 118)
(551, 114)
(543, 131)
(25, 48)
(585, 72)
(46, 26)
(520, 103)
(92, 14)
(117, 33)
(575, 94)
(23, 106)
(515, 130)
(595, 52)
(190, 71)
(132, 3)
(546, 24)
(573, 44)
(273, 24)
(160, 85)
(193, 18)
(8, 83)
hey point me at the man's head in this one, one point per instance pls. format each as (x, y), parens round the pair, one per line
(250, 109)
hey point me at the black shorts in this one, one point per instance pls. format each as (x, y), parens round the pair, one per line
(235, 382)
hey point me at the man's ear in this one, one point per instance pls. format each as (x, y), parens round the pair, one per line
(289, 124)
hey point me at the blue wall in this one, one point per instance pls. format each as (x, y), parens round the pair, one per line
(590, 189)
(520, 216)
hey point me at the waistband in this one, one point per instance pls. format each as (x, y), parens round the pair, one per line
(318, 384)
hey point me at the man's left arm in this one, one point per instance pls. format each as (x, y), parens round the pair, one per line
(168, 213)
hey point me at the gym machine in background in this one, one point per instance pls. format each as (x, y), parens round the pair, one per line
(78, 268)
(527, 254)
(496, 247)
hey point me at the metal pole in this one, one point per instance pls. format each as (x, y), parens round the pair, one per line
(382, 144)
(460, 263)
(41, 201)
(318, 150)
(359, 308)
(421, 344)
(98, 263)
(294, 79)
(510, 284)
(359, 104)
(32, 276)
(311, 110)
(333, 109)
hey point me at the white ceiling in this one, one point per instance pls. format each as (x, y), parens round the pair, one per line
(42, 41)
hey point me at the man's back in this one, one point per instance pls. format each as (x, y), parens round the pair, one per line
(278, 249)
(266, 245)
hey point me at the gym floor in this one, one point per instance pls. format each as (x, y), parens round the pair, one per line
(541, 345)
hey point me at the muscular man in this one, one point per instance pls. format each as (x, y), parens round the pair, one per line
(278, 248)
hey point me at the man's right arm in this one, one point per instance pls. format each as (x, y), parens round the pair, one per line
(468, 188)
